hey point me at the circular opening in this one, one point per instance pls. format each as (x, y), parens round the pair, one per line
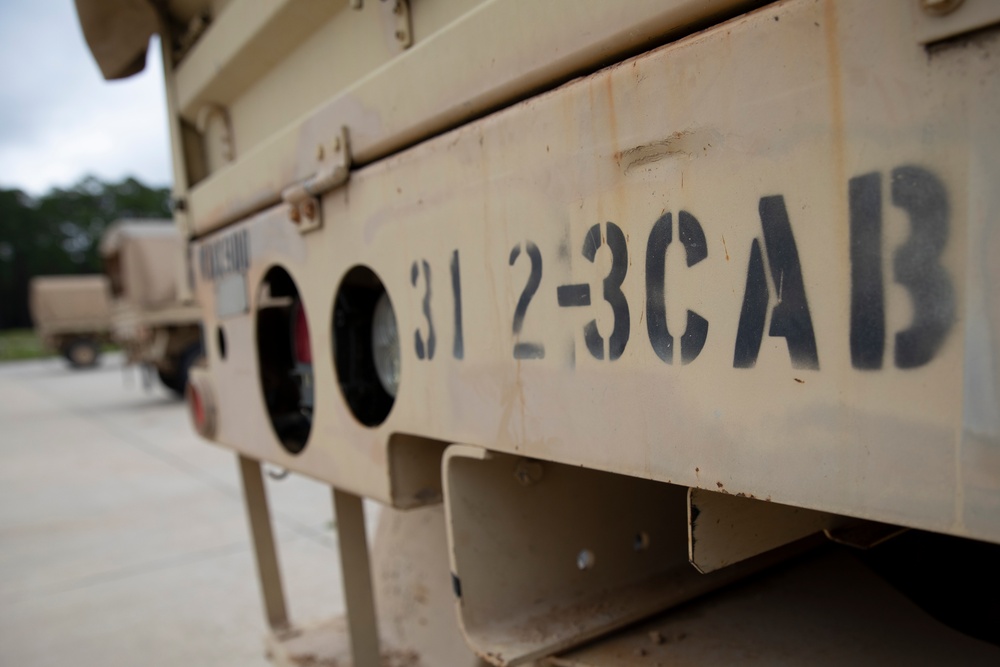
(366, 346)
(284, 355)
(220, 338)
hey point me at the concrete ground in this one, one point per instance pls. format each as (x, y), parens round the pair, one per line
(123, 539)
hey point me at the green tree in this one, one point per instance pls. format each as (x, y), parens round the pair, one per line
(59, 233)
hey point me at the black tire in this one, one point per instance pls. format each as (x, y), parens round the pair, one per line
(177, 381)
(82, 353)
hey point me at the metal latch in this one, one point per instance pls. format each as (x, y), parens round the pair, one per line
(334, 169)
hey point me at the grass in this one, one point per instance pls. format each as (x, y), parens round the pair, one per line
(20, 344)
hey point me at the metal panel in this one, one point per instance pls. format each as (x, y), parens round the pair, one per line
(724, 529)
(399, 103)
(937, 20)
(828, 188)
(546, 556)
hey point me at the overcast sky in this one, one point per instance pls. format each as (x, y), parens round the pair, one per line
(59, 120)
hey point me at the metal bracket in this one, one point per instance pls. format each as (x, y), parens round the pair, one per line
(396, 22)
(334, 169)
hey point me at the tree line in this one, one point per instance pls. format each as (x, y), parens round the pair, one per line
(59, 233)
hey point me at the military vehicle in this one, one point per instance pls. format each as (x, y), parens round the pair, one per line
(151, 320)
(665, 331)
(72, 316)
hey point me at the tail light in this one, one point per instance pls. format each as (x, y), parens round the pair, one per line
(201, 403)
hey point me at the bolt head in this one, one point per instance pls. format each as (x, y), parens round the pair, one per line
(528, 472)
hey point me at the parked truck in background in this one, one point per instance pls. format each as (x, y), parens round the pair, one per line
(665, 331)
(150, 318)
(72, 316)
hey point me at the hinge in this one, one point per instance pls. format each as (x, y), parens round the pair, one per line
(334, 169)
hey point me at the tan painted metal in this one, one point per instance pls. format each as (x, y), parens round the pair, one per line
(299, 105)
(259, 518)
(70, 305)
(714, 126)
(565, 555)
(149, 318)
(354, 564)
(940, 19)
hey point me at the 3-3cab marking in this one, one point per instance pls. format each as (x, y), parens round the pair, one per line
(747, 258)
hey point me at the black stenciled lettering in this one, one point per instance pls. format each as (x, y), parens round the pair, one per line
(916, 265)
(696, 249)
(790, 317)
(656, 303)
(424, 350)
(867, 289)
(754, 312)
(612, 292)
(458, 347)
(527, 350)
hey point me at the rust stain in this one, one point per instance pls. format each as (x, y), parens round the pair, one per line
(724, 248)
(836, 89)
(719, 484)
(800, 381)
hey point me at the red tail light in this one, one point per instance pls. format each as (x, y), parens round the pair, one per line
(201, 403)
(197, 408)
(300, 333)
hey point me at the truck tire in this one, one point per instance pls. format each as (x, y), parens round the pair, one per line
(82, 353)
(177, 380)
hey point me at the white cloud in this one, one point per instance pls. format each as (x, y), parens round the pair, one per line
(59, 120)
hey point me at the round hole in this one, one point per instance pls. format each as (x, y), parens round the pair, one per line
(641, 541)
(585, 559)
(285, 359)
(220, 339)
(366, 346)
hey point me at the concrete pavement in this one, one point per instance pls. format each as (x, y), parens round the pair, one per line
(123, 538)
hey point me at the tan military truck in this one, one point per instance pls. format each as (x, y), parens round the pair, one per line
(72, 315)
(150, 318)
(666, 331)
